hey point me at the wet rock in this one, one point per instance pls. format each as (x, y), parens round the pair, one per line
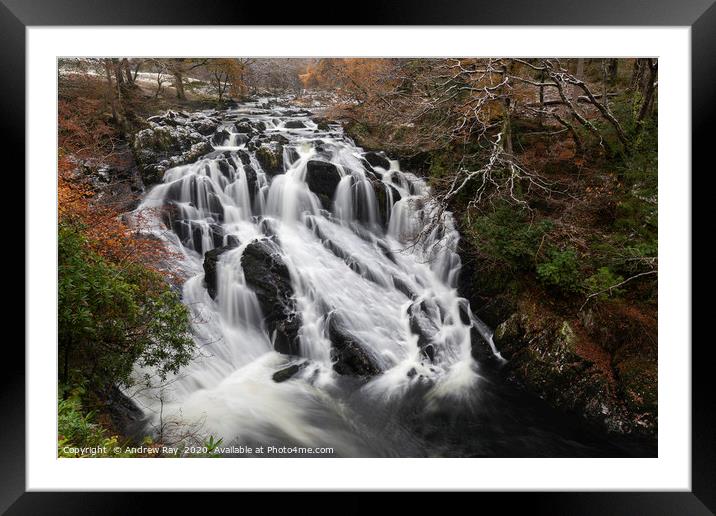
(205, 125)
(220, 137)
(268, 276)
(549, 358)
(217, 234)
(244, 128)
(321, 124)
(294, 124)
(386, 196)
(225, 168)
(322, 179)
(292, 155)
(211, 260)
(288, 372)
(243, 156)
(367, 166)
(251, 180)
(126, 416)
(161, 147)
(348, 355)
(197, 233)
(267, 226)
(403, 287)
(422, 325)
(271, 158)
(278, 138)
(377, 159)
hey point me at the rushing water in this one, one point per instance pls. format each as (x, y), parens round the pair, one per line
(348, 257)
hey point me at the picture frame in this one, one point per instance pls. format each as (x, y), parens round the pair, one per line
(700, 16)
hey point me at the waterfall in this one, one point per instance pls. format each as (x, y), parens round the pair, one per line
(343, 230)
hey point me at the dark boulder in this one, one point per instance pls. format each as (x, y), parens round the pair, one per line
(244, 128)
(268, 276)
(278, 138)
(349, 357)
(271, 158)
(322, 179)
(204, 125)
(220, 137)
(211, 259)
(377, 159)
(288, 372)
(294, 124)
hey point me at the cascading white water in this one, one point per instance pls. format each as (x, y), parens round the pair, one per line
(349, 257)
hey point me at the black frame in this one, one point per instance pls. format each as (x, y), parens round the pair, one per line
(700, 15)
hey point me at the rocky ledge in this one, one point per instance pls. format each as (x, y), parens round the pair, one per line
(564, 364)
(172, 139)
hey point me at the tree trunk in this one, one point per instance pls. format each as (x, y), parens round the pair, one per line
(579, 74)
(110, 89)
(648, 90)
(541, 98)
(128, 71)
(179, 85)
(612, 71)
(605, 83)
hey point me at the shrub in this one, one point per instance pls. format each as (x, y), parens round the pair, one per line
(561, 271)
(506, 235)
(601, 281)
(111, 317)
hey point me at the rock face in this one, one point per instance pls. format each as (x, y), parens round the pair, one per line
(127, 418)
(377, 160)
(211, 259)
(268, 276)
(172, 139)
(322, 179)
(348, 356)
(570, 372)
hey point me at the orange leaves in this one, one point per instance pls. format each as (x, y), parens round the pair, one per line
(107, 234)
(356, 75)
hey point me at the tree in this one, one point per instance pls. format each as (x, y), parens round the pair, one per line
(179, 67)
(467, 105)
(227, 75)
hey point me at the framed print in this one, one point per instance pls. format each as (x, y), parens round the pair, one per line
(420, 252)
